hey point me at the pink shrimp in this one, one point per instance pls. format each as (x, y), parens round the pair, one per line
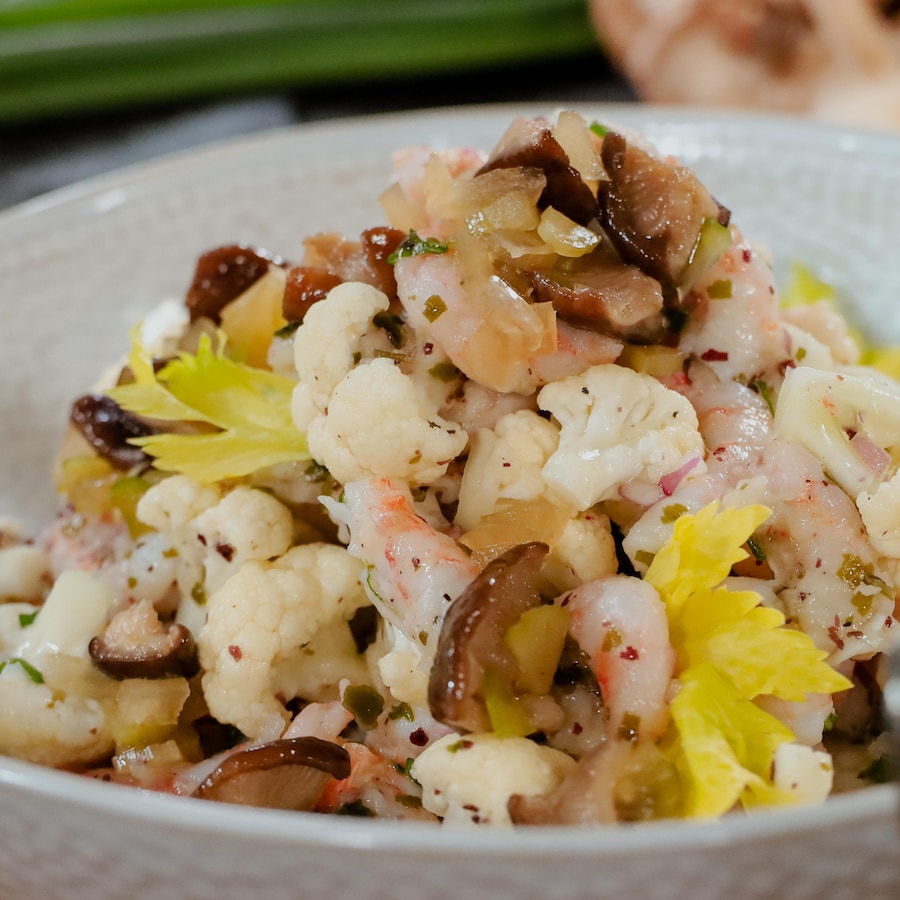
(415, 570)
(621, 623)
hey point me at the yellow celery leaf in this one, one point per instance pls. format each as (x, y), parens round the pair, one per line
(749, 644)
(804, 288)
(702, 550)
(145, 396)
(252, 406)
(725, 745)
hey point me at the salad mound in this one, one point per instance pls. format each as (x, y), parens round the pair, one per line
(538, 504)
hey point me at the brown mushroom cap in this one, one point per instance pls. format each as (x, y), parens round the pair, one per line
(530, 144)
(651, 211)
(222, 275)
(136, 645)
(286, 774)
(601, 293)
(107, 428)
(472, 636)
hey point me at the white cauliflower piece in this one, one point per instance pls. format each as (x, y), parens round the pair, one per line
(262, 617)
(325, 344)
(616, 425)
(213, 534)
(24, 572)
(400, 668)
(469, 780)
(820, 410)
(806, 773)
(39, 725)
(584, 552)
(46, 713)
(378, 425)
(505, 462)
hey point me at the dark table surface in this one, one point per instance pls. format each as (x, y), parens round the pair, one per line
(40, 156)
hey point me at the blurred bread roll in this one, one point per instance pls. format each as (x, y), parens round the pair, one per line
(837, 60)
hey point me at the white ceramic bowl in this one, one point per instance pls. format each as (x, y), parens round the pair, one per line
(79, 267)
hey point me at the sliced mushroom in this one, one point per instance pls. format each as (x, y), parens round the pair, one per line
(305, 286)
(471, 640)
(651, 211)
(529, 143)
(599, 292)
(286, 774)
(377, 246)
(107, 428)
(222, 275)
(135, 644)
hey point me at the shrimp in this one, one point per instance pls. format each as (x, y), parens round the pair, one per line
(621, 623)
(741, 335)
(813, 553)
(415, 571)
(489, 331)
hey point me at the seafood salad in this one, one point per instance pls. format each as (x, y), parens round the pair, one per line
(536, 503)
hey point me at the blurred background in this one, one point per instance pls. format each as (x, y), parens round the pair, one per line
(92, 85)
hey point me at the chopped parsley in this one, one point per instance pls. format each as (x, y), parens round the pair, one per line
(30, 670)
(26, 619)
(413, 245)
(434, 307)
(365, 703)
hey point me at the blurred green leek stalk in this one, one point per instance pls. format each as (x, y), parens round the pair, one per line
(65, 56)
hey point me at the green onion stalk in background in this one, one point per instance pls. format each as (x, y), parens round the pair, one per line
(67, 56)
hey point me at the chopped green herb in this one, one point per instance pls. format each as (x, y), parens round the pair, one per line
(413, 245)
(410, 801)
(198, 593)
(415, 458)
(423, 638)
(644, 557)
(365, 703)
(434, 307)
(854, 572)
(672, 512)
(830, 722)
(801, 354)
(862, 603)
(598, 129)
(764, 391)
(30, 670)
(170, 553)
(407, 769)
(720, 290)
(757, 549)
(879, 772)
(402, 711)
(25, 619)
(393, 325)
(463, 744)
(357, 357)
(287, 330)
(444, 371)
(355, 808)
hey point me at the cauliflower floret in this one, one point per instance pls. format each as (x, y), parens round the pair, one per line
(400, 667)
(38, 725)
(24, 572)
(378, 425)
(261, 617)
(505, 462)
(469, 780)
(806, 773)
(616, 425)
(584, 552)
(325, 344)
(46, 713)
(213, 535)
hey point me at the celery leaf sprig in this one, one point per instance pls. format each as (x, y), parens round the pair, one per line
(731, 649)
(249, 410)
